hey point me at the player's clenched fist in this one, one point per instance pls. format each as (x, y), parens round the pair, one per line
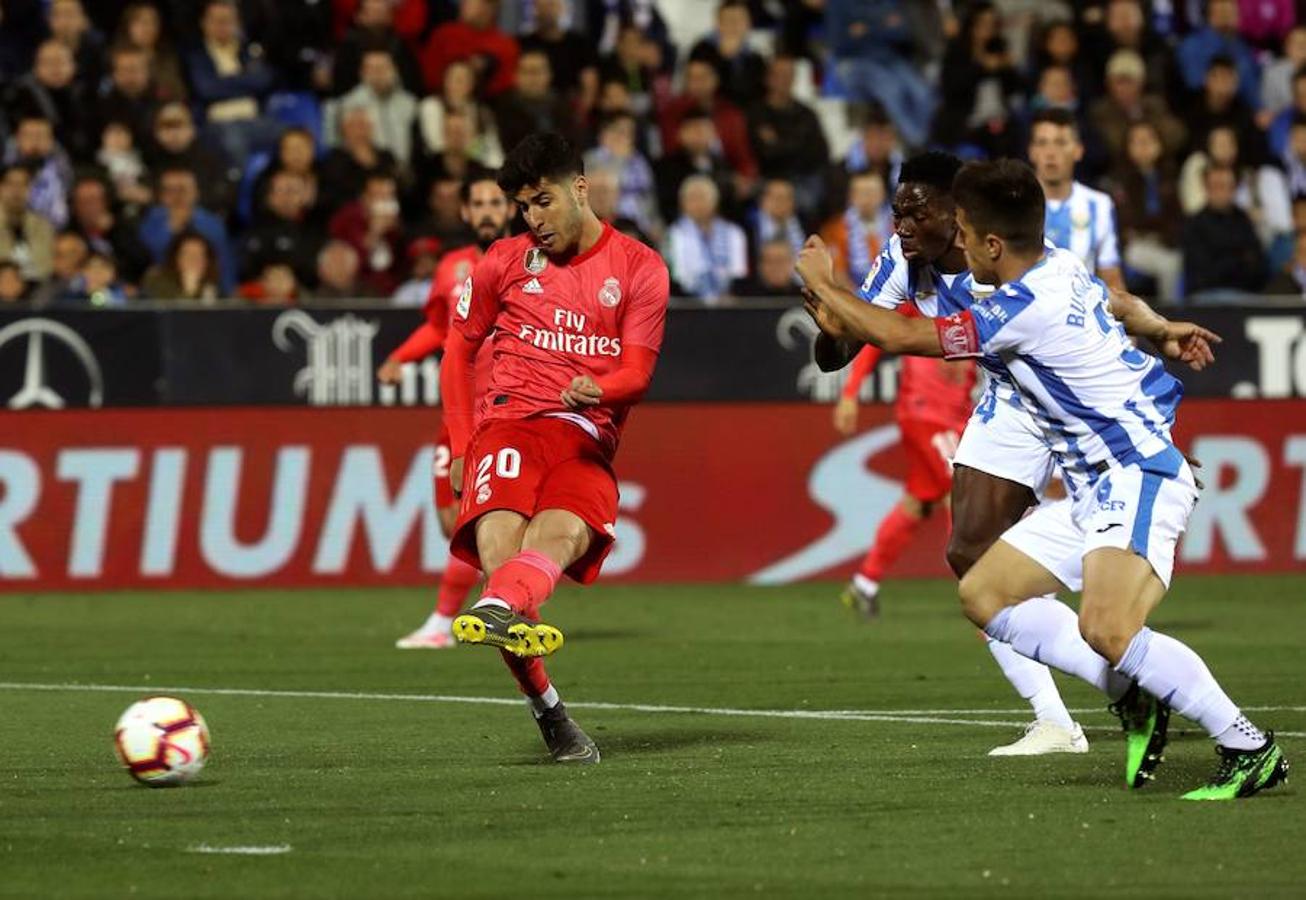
(815, 265)
(582, 392)
(391, 372)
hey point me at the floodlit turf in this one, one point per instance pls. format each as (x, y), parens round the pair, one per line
(396, 797)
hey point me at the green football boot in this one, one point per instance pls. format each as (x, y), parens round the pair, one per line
(1242, 773)
(1145, 720)
(503, 628)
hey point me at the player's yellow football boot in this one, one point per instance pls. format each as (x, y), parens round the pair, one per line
(496, 626)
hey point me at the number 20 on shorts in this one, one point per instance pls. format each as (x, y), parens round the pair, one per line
(505, 464)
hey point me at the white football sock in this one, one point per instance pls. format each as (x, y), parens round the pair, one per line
(436, 624)
(1241, 735)
(492, 601)
(868, 586)
(1170, 671)
(1033, 681)
(1047, 631)
(543, 702)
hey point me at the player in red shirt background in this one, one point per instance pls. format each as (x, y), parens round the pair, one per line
(485, 210)
(573, 312)
(934, 402)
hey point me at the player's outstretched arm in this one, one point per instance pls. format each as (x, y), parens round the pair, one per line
(839, 314)
(1185, 342)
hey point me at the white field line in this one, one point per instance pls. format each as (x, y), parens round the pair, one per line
(274, 850)
(918, 716)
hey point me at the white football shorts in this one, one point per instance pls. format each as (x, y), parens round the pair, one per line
(1002, 439)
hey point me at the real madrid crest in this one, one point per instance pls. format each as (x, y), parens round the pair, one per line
(610, 293)
(536, 261)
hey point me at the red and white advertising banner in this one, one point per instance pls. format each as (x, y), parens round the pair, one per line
(709, 492)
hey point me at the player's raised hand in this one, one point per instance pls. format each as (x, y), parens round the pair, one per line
(1189, 343)
(391, 372)
(815, 265)
(581, 393)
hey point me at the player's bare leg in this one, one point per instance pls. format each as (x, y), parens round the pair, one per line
(983, 507)
(456, 582)
(1120, 591)
(892, 537)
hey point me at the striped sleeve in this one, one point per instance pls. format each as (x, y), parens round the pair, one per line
(886, 284)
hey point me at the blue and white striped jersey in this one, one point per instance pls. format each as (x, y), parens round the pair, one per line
(1085, 224)
(1099, 400)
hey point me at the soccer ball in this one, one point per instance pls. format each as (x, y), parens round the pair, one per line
(162, 741)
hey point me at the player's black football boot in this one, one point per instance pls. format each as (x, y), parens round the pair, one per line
(495, 626)
(1145, 721)
(566, 742)
(1242, 773)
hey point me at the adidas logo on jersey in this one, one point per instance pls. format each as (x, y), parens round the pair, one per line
(533, 287)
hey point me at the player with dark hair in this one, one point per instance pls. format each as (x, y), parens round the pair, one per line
(1001, 465)
(1105, 411)
(485, 210)
(574, 312)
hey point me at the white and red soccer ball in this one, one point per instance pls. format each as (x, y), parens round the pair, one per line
(162, 741)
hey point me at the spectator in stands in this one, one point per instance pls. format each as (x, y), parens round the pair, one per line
(787, 136)
(70, 27)
(856, 236)
(1294, 158)
(455, 160)
(282, 231)
(776, 217)
(122, 162)
(774, 277)
(230, 83)
(349, 164)
(22, 28)
(877, 150)
(13, 289)
(188, 271)
(731, 127)
(52, 174)
(423, 255)
(1126, 103)
(573, 57)
(1220, 104)
(297, 155)
(337, 272)
(385, 25)
(872, 46)
(1277, 134)
(176, 145)
(443, 220)
(638, 200)
(1125, 27)
(1148, 215)
(704, 252)
(1058, 45)
(140, 28)
(1056, 89)
(1290, 280)
(128, 96)
(458, 94)
(472, 36)
(51, 92)
(980, 86)
(93, 218)
(1219, 39)
(66, 259)
(636, 63)
(177, 211)
(392, 109)
(604, 192)
(1261, 190)
(741, 71)
(532, 105)
(606, 19)
(372, 226)
(1222, 256)
(1277, 89)
(95, 285)
(276, 285)
(698, 154)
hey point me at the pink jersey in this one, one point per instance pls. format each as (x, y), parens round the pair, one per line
(552, 321)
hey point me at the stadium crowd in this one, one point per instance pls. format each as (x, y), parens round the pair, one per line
(281, 150)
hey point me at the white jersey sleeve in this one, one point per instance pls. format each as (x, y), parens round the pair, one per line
(1009, 320)
(886, 285)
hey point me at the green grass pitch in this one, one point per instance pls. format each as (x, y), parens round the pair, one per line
(382, 790)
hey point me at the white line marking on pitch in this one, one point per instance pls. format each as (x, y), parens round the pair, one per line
(275, 850)
(916, 716)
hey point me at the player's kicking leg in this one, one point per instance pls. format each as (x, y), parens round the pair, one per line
(984, 506)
